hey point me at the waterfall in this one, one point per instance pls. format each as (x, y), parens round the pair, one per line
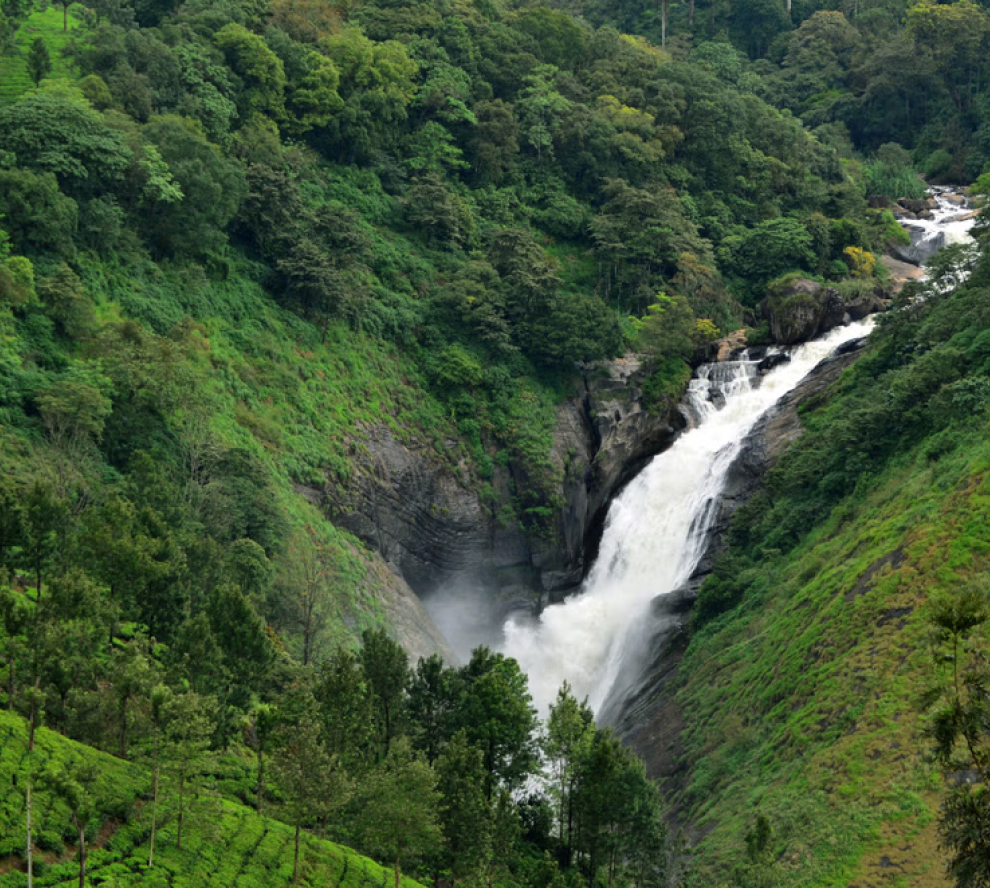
(655, 532)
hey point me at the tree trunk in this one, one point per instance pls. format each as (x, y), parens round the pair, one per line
(122, 736)
(182, 787)
(295, 859)
(82, 854)
(33, 713)
(691, 13)
(65, 17)
(398, 872)
(664, 9)
(261, 776)
(10, 682)
(27, 809)
(154, 808)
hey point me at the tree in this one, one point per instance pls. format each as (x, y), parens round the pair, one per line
(241, 634)
(304, 589)
(11, 520)
(437, 211)
(212, 186)
(29, 769)
(957, 728)
(39, 60)
(75, 785)
(345, 708)
(495, 144)
(160, 698)
(568, 733)
(464, 814)
(261, 736)
(54, 130)
(69, 307)
(377, 85)
(433, 695)
(640, 235)
(37, 214)
(668, 328)
(398, 805)
(44, 516)
(386, 670)
(188, 724)
(618, 815)
(314, 282)
(308, 775)
(955, 35)
(132, 676)
(73, 412)
(261, 70)
(505, 833)
(15, 617)
(496, 714)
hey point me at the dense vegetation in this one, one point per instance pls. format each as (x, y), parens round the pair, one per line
(235, 237)
(879, 76)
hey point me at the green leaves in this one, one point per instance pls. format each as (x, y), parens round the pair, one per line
(398, 808)
(55, 131)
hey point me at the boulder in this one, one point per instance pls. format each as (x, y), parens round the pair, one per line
(914, 205)
(722, 349)
(960, 200)
(925, 243)
(802, 310)
(771, 361)
(860, 305)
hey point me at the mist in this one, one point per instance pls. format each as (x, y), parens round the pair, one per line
(468, 615)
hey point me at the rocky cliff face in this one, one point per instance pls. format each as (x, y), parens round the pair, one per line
(430, 526)
(805, 309)
(648, 717)
(602, 439)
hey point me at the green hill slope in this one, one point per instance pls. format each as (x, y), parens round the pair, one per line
(802, 683)
(224, 844)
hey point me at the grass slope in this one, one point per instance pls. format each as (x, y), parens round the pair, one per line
(265, 382)
(803, 701)
(225, 845)
(47, 23)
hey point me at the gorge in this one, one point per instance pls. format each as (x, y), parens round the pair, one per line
(493, 443)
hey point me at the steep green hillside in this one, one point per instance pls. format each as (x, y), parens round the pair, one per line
(224, 844)
(45, 23)
(811, 645)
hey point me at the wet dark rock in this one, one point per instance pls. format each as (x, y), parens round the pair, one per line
(924, 244)
(915, 205)
(859, 306)
(425, 518)
(802, 310)
(771, 361)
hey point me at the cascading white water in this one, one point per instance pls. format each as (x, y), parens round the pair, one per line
(950, 224)
(655, 532)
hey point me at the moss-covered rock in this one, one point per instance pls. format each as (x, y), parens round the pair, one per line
(799, 309)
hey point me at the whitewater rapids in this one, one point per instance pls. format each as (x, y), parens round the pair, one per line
(655, 531)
